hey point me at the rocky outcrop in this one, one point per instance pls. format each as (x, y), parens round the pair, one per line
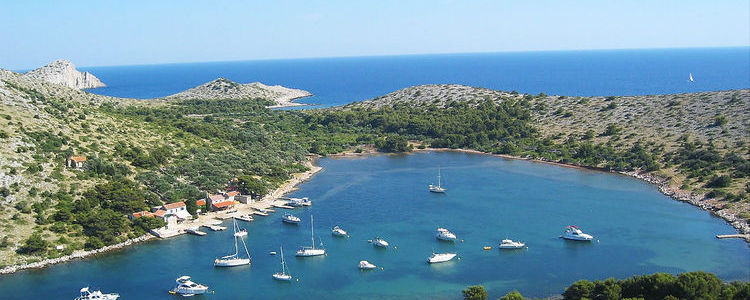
(63, 72)
(223, 88)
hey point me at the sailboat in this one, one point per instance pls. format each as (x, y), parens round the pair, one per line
(437, 188)
(282, 275)
(690, 77)
(234, 260)
(311, 251)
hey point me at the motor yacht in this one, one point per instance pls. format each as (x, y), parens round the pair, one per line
(87, 294)
(510, 244)
(445, 235)
(440, 257)
(337, 231)
(187, 287)
(380, 243)
(291, 219)
(574, 233)
(366, 265)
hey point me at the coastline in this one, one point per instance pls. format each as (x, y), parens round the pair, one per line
(662, 184)
(266, 202)
(289, 102)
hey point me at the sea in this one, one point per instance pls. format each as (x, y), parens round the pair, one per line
(636, 230)
(338, 81)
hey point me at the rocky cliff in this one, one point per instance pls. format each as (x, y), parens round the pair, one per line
(63, 72)
(223, 88)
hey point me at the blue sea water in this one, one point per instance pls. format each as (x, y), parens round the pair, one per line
(637, 231)
(336, 81)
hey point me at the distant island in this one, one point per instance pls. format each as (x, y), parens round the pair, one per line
(80, 170)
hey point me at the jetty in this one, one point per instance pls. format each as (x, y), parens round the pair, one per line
(283, 206)
(195, 231)
(260, 213)
(733, 236)
(215, 227)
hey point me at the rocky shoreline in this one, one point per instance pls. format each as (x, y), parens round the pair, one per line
(76, 255)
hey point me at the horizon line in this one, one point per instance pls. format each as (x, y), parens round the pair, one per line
(386, 55)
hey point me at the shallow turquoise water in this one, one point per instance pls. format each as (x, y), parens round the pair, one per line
(638, 231)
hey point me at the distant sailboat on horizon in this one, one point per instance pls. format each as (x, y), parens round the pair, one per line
(690, 77)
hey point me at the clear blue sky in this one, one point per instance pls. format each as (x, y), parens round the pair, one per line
(96, 33)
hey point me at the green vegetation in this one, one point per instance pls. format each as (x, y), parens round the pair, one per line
(658, 286)
(475, 292)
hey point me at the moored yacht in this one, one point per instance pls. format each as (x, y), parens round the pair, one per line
(87, 294)
(366, 265)
(437, 188)
(187, 287)
(234, 260)
(445, 235)
(291, 219)
(574, 233)
(311, 251)
(510, 244)
(337, 231)
(380, 243)
(283, 276)
(440, 257)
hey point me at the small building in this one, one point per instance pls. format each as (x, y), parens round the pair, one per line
(222, 205)
(244, 199)
(76, 162)
(229, 196)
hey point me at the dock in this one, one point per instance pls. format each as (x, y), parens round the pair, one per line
(733, 236)
(195, 231)
(215, 227)
(260, 213)
(283, 206)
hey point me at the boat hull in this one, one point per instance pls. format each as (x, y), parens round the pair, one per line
(282, 277)
(578, 238)
(310, 252)
(441, 258)
(231, 262)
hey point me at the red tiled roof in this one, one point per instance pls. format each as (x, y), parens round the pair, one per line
(200, 202)
(174, 205)
(223, 204)
(142, 214)
(233, 193)
(78, 158)
(159, 213)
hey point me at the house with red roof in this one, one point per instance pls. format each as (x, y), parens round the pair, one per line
(76, 162)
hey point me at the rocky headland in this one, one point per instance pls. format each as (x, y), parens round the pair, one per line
(63, 72)
(222, 88)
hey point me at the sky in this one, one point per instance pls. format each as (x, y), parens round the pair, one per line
(106, 33)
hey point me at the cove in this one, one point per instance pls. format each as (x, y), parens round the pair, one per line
(637, 230)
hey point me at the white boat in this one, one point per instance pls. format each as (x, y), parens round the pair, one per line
(87, 294)
(437, 188)
(283, 276)
(366, 265)
(234, 260)
(297, 202)
(215, 227)
(380, 243)
(574, 233)
(510, 244)
(445, 235)
(311, 251)
(187, 287)
(246, 218)
(440, 257)
(337, 231)
(291, 219)
(690, 77)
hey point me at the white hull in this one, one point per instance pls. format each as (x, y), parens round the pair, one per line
(188, 288)
(584, 237)
(310, 252)
(380, 243)
(336, 231)
(366, 265)
(445, 235)
(231, 262)
(436, 189)
(289, 219)
(184, 291)
(440, 257)
(87, 294)
(508, 244)
(282, 277)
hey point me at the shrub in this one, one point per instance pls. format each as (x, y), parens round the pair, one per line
(476, 292)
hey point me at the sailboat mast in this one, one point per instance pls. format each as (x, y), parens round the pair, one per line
(283, 265)
(312, 231)
(438, 177)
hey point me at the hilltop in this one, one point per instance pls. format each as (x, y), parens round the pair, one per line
(222, 88)
(64, 73)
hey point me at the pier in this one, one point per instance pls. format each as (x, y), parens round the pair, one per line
(733, 236)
